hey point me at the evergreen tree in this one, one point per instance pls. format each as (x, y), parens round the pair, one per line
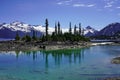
(27, 38)
(17, 37)
(46, 26)
(79, 28)
(82, 32)
(34, 36)
(54, 37)
(75, 30)
(55, 29)
(70, 29)
(58, 27)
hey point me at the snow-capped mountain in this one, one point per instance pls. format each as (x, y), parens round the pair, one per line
(9, 30)
(89, 31)
(20, 26)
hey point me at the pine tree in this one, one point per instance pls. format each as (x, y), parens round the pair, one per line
(58, 27)
(46, 26)
(79, 28)
(75, 30)
(55, 29)
(34, 36)
(17, 37)
(28, 38)
(82, 32)
(70, 29)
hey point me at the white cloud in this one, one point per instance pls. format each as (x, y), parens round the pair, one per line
(59, 3)
(66, 2)
(83, 5)
(91, 5)
(70, 3)
(109, 3)
(118, 7)
(78, 5)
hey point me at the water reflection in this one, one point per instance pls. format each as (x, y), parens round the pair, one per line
(54, 57)
(63, 56)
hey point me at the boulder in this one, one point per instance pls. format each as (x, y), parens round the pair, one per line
(116, 60)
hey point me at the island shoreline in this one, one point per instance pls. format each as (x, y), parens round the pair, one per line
(36, 45)
(24, 46)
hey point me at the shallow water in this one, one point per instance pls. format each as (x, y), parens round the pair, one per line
(93, 63)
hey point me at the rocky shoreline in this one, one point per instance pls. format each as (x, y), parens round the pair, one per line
(23, 46)
(36, 45)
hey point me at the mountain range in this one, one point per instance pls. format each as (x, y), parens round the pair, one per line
(9, 30)
(112, 29)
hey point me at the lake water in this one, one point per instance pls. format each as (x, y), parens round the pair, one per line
(5, 39)
(93, 63)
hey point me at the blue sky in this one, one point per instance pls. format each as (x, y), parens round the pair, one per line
(96, 13)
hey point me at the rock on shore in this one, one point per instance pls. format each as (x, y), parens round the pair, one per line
(116, 60)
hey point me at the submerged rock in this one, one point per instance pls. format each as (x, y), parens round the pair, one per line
(116, 60)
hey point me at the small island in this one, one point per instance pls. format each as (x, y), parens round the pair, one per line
(56, 40)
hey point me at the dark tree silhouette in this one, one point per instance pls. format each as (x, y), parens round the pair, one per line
(79, 28)
(82, 32)
(70, 28)
(55, 29)
(34, 35)
(75, 30)
(17, 37)
(58, 27)
(46, 26)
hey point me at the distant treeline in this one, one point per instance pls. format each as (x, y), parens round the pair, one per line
(57, 35)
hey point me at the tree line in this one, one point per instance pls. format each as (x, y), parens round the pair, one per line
(57, 35)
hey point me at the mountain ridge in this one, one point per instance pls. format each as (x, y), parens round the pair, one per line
(110, 29)
(8, 30)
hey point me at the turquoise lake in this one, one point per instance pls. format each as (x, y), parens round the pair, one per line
(92, 63)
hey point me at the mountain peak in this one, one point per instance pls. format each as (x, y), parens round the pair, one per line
(110, 29)
(89, 27)
(16, 23)
(89, 31)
